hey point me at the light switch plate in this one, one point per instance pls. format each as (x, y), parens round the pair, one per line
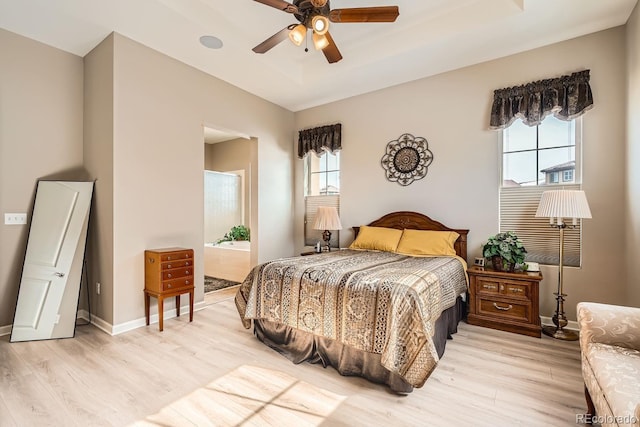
(15, 218)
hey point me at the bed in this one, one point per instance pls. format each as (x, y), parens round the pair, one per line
(377, 314)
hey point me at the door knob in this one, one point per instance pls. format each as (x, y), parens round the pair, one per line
(57, 273)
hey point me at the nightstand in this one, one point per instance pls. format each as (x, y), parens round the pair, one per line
(505, 301)
(168, 273)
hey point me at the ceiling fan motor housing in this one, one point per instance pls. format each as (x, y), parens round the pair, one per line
(306, 11)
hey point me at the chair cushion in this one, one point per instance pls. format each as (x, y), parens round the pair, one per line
(617, 370)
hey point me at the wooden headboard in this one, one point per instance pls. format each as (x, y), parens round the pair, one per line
(418, 221)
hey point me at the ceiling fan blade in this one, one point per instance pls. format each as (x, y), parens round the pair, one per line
(275, 39)
(365, 14)
(280, 4)
(331, 52)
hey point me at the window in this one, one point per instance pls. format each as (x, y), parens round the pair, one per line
(533, 160)
(223, 203)
(322, 188)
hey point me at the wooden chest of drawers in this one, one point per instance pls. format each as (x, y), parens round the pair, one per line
(505, 301)
(168, 272)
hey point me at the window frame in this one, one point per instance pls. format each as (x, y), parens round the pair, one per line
(577, 182)
(312, 201)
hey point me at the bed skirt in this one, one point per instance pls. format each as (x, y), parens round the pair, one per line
(299, 346)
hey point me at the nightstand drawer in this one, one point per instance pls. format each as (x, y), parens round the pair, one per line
(504, 309)
(515, 290)
(487, 286)
(176, 273)
(177, 264)
(175, 256)
(171, 285)
(490, 286)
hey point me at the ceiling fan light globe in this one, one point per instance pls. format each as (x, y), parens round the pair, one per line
(318, 3)
(320, 24)
(320, 41)
(297, 34)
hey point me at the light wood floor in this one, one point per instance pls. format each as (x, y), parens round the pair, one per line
(214, 372)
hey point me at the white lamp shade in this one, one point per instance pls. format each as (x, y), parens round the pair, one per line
(327, 219)
(563, 204)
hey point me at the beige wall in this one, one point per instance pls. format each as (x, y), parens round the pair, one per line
(633, 157)
(160, 106)
(451, 111)
(40, 137)
(98, 159)
(239, 154)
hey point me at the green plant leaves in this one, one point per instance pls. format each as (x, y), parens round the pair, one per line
(238, 232)
(506, 245)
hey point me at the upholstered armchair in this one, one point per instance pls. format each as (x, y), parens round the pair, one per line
(610, 347)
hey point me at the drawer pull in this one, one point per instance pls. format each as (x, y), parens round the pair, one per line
(187, 272)
(169, 258)
(168, 265)
(502, 308)
(169, 285)
(169, 276)
(515, 290)
(186, 263)
(186, 281)
(489, 286)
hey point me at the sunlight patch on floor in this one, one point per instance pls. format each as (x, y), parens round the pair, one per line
(250, 395)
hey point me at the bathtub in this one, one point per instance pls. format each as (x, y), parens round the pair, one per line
(228, 260)
(238, 245)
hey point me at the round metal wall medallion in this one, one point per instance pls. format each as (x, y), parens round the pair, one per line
(407, 159)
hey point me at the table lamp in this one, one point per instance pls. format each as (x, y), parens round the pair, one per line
(327, 219)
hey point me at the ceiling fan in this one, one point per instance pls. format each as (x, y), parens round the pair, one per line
(315, 15)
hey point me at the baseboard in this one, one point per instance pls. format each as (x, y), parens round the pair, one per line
(572, 324)
(136, 323)
(110, 329)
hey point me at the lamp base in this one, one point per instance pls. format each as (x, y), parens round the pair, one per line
(560, 334)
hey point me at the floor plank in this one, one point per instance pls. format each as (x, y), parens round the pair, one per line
(214, 372)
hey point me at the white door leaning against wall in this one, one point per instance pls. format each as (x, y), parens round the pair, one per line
(50, 285)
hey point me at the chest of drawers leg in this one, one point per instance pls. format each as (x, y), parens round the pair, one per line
(505, 301)
(168, 273)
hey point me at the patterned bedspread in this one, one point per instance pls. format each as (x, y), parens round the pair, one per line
(377, 302)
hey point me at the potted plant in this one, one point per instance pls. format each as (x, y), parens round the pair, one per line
(238, 232)
(505, 250)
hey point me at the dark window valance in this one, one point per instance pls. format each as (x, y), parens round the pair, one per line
(327, 137)
(565, 97)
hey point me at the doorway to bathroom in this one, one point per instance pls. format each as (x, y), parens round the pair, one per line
(230, 204)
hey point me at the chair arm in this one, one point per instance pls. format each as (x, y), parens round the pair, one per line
(609, 324)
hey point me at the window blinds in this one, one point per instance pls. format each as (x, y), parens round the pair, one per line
(311, 236)
(518, 207)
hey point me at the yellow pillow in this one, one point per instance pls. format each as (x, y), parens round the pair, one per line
(377, 238)
(427, 242)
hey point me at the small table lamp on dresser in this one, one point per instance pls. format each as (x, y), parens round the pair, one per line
(557, 205)
(327, 219)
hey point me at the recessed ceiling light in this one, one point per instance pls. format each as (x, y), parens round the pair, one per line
(211, 42)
